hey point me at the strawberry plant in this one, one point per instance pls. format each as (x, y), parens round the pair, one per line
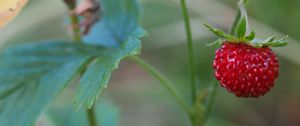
(104, 32)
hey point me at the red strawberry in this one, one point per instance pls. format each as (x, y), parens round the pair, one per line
(245, 65)
(244, 70)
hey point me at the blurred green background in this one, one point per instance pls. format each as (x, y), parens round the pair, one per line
(142, 101)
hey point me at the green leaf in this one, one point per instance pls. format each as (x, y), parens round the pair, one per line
(36, 82)
(241, 28)
(98, 73)
(32, 75)
(107, 114)
(118, 28)
(119, 20)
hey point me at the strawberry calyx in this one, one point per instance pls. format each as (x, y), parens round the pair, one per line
(247, 39)
(240, 32)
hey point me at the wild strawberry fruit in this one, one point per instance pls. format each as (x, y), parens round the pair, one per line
(244, 65)
(244, 70)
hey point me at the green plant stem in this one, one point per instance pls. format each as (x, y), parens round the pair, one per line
(91, 116)
(190, 49)
(162, 79)
(211, 100)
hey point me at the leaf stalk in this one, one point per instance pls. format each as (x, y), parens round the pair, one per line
(91, 116)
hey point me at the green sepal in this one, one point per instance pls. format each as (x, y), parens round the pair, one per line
(215, 43)
(251, 36)
(277, 43)
(241, 28)
(240, 25)
(271, 41)
(220, 33)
